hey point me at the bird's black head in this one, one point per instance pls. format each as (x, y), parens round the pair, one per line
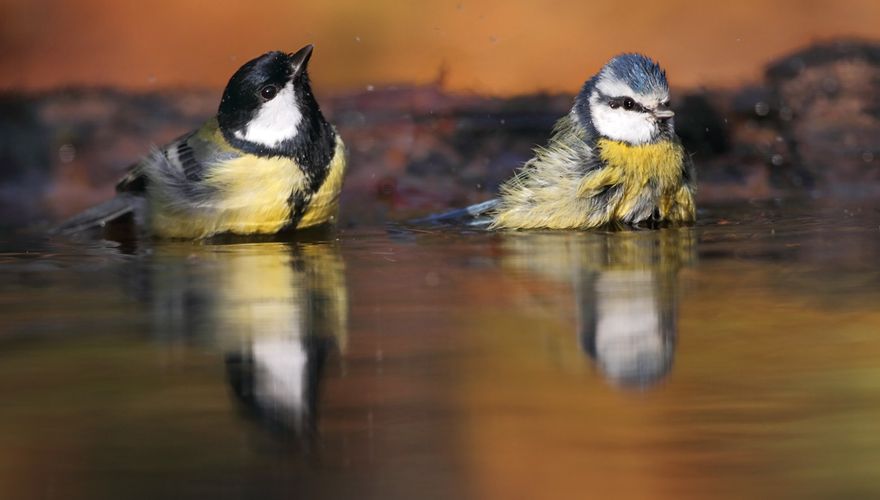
(268, 107)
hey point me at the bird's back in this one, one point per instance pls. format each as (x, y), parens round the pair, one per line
(544, 193)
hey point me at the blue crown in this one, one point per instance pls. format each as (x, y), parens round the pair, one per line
(641, 73)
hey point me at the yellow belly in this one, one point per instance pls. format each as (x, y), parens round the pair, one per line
(324, 204)
(252, 197)
(650, 177)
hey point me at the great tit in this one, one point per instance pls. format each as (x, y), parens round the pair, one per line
(267, 162)
(614, 159)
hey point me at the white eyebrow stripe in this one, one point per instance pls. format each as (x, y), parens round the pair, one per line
(614, 87)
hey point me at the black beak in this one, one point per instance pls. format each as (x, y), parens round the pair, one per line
(300, 59)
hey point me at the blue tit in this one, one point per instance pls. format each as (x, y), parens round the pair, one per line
(267, 162)
(614, 159)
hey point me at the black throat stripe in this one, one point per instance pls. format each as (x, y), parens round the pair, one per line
(299, 200)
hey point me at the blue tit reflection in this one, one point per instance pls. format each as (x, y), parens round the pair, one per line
(625, 288)
(627, 326)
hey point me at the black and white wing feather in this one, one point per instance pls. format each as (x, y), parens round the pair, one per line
(179, 167)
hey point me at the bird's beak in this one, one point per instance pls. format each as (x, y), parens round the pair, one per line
(300, 59)
(664, 113)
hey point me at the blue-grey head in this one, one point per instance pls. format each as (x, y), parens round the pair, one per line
(628, 100)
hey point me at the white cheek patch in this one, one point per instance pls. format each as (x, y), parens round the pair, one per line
(275, 122)
(622, 125)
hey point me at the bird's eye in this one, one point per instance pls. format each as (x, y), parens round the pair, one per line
(268, 92)
(628, 103)
(613, 104)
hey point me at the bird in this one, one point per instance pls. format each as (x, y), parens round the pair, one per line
(613, 160)
(268, 161)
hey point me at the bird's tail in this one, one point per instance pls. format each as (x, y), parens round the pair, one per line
(99, 215)
(477, 215)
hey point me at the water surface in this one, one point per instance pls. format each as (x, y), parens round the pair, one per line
(736, 359)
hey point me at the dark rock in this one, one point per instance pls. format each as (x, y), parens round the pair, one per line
(828, 96)
(833, 52)
(812, 124)
(755, 102)
(25, 157)
(701, 126)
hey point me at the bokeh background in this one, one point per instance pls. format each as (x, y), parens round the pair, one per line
(455, 365)
(497, 47)
(441, 101)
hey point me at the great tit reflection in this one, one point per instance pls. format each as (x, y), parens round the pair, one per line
(625, 286)
(278, 310)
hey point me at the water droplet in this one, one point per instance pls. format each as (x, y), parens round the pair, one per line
(762, 108)
(868, 156)
(66, 153)
(777, 160)
(357, 39)
(370, 88)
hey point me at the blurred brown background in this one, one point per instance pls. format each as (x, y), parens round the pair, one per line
(497, 47)
(439, 102)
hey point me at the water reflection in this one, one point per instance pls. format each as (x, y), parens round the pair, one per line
(625, 287)
(277, 309)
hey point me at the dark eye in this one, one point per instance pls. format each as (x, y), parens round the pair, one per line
(268, 92)
(628, 103)
(613, 104)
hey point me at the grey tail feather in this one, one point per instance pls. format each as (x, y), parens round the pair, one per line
(99, 215)
(474, 215)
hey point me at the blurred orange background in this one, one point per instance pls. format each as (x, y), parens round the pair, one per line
(492, 47)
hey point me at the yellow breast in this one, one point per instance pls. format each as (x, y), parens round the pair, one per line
(650, 175)
(252, 196)
(325, 202)
(638, 165)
